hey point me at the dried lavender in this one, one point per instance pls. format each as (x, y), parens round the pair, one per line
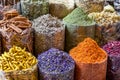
(56, 65)
(49, 32)
(34, 8)
(113, 50)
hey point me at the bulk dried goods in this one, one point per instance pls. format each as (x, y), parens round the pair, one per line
(108, 20)
(56, 65)
(60, 8)
(78, 27)
(106, 17)
(49, 32)
(34, 8)
(113, 50)
(90, 5)
(15, 30)
(91, 61)
(17, 64)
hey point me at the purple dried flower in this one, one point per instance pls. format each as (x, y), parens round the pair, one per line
(56, 65)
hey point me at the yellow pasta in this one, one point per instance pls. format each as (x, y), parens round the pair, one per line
(16, 59)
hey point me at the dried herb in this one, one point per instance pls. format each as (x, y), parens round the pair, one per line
(78, 27)
(34, 8)
(49, 32)
(56, 65)
(90, 5)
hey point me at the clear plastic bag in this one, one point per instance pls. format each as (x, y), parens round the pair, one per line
(23, 40)
(90, 5)
(28, 74)
(34, 8)
(110, 32)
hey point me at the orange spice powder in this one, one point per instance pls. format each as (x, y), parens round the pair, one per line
(88, 52)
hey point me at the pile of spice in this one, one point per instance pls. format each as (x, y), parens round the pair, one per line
(106, 17)
(113, 50)
(56, 65)
(15, 30)
(34, 8)
(61, 8)
(90, 60)
(108, 22)
(90, 5)
(49, 32)
(78, 27)
(18, 64)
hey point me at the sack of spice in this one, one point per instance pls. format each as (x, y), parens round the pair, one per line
(90, 5)
(49, 32)
(11, 4)
(113, 50)
(15, 30)
(34, 8)
(78, 27)
(91, 61)
(109, 23)
(18, 64)
(60, 8)
(56, 65)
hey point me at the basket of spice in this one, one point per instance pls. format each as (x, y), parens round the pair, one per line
(49, 32)
(55, 64)
(90, 5)
(16, 30)
(78, 27)
(60, 8)
(113, 69)
(34, 8)
(18, 64)
(108, 23)
(91, 61)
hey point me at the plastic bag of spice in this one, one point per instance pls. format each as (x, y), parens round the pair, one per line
(108, 21)
(60, 8)
(90, 5)
(56, 65)
(49, 32)
(91, 61)
(16, 30)
(34, 8)
(78, 27)
(113, 50)
(17, 64)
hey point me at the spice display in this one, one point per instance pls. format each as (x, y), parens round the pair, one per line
(49, 32)
(91, 61)
(18, 64)
(78, 27)
(90, 5)
(56, 65)
(15, 30)
(60, 8)
(113, 50)
(34, 8)
(108, 22)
